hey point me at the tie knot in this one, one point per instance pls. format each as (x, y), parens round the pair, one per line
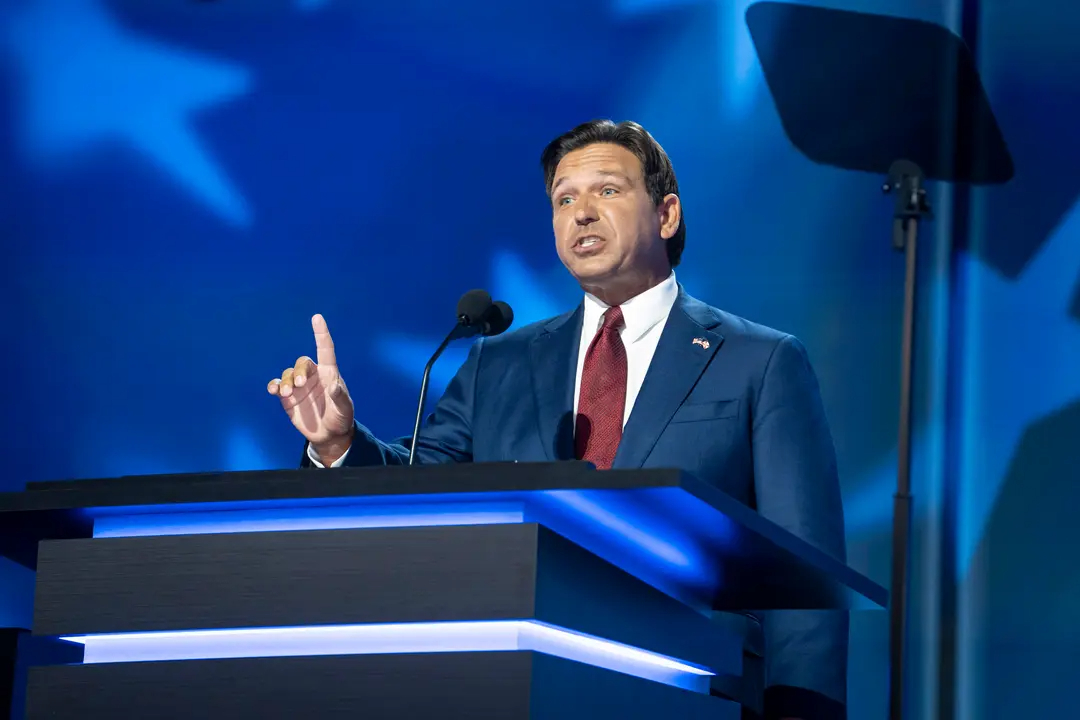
(613, 319)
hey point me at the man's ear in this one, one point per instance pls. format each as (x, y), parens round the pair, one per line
(670, 212)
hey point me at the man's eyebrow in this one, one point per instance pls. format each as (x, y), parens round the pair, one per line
(617, 174)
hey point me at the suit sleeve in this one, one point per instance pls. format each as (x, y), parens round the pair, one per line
(446, 435)
(797, 486)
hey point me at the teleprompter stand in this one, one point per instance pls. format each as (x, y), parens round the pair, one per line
(894, 97)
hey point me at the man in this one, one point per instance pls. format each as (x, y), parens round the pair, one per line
(640, 374)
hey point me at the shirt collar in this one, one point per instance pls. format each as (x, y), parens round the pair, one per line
(640, 313)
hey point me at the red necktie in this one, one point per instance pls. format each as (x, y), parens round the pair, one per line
(602, 399)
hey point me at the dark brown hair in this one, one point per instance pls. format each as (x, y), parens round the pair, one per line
(655, 164)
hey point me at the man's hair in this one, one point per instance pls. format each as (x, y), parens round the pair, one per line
(655, 164)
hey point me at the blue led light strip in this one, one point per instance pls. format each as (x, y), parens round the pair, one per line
(483, 636)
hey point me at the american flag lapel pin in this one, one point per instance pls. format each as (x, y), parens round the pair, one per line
(702, 342)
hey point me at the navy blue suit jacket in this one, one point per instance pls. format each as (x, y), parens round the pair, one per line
(744, 414)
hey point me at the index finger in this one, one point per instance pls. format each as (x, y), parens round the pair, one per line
(324, 344)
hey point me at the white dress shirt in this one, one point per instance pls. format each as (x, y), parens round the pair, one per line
(644, 318)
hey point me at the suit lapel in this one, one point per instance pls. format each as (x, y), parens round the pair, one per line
(686, 346)
(553, 357)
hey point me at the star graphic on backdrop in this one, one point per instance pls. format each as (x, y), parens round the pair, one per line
(1021, 352)
(86, 80)
(513, 282)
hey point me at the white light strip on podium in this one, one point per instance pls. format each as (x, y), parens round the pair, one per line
(213, 522)
(503, 635)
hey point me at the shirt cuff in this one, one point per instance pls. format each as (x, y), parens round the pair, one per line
(314, 457)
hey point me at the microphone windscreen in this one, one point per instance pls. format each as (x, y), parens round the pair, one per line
(473, 305)
(499, 317)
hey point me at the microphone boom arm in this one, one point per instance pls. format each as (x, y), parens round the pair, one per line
(477, 315)
(459, 330)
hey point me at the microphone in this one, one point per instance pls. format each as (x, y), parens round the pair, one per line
(476, 315)
(470, 313)
(497, 319)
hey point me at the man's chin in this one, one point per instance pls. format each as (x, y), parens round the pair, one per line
(594, 270)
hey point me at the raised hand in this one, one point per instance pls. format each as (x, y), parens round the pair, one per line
(315, 397)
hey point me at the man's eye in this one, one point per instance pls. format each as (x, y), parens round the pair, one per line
(564, 200)
(609, 191)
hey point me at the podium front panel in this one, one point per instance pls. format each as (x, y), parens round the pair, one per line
(360, 577)
(507, 686)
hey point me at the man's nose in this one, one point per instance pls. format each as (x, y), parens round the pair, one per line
(585, 212)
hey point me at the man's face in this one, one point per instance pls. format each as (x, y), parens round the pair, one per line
(608, 232)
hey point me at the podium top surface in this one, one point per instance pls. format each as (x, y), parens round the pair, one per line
(672, 530)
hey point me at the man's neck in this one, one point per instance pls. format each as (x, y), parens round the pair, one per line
(618, 293)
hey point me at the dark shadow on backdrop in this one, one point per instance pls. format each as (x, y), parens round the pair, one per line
(1033, 77)
(1028, 640)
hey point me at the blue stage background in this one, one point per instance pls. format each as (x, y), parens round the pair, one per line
(185, 183)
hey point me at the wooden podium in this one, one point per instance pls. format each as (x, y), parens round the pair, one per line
(505, 590)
